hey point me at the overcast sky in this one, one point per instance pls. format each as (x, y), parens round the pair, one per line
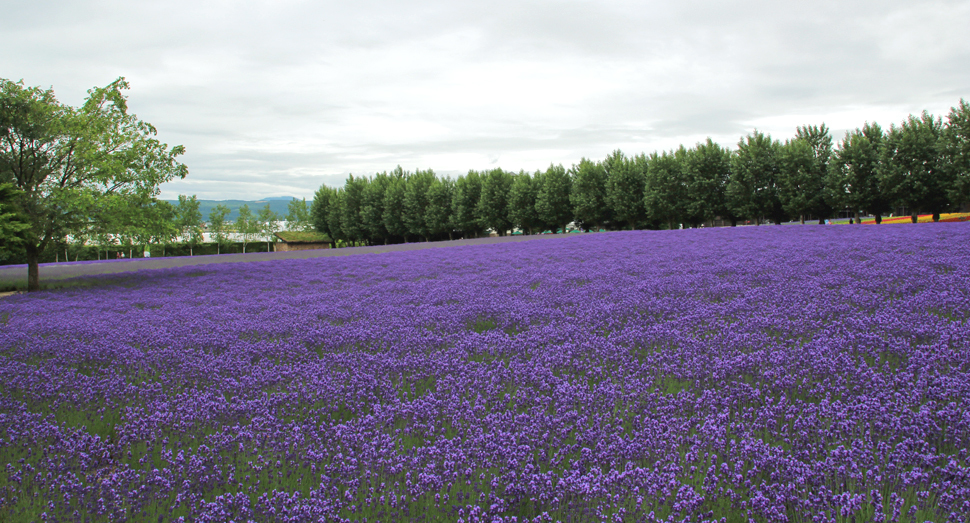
(277, 97)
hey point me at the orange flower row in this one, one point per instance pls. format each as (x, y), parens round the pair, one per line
(925, 218)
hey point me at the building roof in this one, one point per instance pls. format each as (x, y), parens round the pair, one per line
(303, 237)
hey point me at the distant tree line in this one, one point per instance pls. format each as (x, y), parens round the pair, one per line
(162, 224)
(129, 225)
(921, 165)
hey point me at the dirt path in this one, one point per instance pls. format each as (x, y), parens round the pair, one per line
(17, 274)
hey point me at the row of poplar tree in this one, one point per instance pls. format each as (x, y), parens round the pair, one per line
(921, 165)
(133, 223)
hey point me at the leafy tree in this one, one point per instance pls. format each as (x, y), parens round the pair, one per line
(853, 173)
(625, 180)
(126, 224)
(335, 216)
(318, 209)
(798, 187)
(537, 180)
(416, 203)
(819, 139)
(393, 215)
(161, 224)
(189, 220)
(98, 230)
(522, 203)
(217, 224)
(320, 212)
(753, 189)
(552, 199)
(140, 221)
(246, 225)
(65, 160)
(955, 149)
(351, 223)
(707, 169)
(802, 185)
(913, 172)
(665, 193)
(372, 209)
(493, 204)
(588, 195)
(437, 214)
(464, 204)
(79, 239)
(268, 223)
(14, 227)
(298, 215)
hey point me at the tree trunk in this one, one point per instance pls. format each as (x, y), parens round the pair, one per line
(858, 219)
(914, 218)
(244, 247)
(878, 218)
(801, 219)
(33, 267)
(936, 217)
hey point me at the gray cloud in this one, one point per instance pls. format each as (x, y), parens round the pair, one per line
(278, 97)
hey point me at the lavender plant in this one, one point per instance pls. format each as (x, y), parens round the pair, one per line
(755, 374)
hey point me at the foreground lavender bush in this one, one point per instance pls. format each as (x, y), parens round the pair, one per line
(765, 374)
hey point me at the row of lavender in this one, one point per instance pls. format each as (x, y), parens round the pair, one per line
(763, 374)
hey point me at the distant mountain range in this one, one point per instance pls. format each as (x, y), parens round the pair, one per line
(277, 204)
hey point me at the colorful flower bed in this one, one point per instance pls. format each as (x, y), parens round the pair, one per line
(760, 374)
(925, 218)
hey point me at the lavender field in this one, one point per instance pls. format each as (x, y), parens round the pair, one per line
(764, 374)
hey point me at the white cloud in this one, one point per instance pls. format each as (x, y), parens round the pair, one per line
(278, 97)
